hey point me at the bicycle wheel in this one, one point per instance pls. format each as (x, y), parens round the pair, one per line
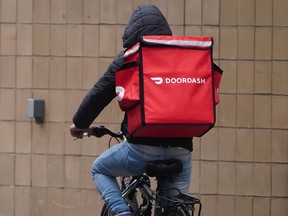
(176, 211)
(105, 211)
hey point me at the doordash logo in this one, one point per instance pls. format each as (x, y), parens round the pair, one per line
(179, 80)
(157, 80)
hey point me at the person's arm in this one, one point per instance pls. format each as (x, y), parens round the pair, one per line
(99, 96)
(95, 101)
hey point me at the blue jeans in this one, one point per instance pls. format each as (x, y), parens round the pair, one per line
(127, 159)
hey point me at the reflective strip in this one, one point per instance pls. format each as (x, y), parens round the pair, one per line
(191, 43)
(180, 42)
(131, 50)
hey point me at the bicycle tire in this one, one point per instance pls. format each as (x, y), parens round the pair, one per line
(105, 211)
(176, 211)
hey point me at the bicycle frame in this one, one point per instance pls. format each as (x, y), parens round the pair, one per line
(180, 204)
(150, 197)
(142, 183)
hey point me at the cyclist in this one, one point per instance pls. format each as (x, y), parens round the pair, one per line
(130, 157)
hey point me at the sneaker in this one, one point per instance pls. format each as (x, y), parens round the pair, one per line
(124, 214)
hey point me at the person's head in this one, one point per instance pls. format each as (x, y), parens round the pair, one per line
(145, 20)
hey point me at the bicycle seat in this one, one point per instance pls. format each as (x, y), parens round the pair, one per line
(164, 168)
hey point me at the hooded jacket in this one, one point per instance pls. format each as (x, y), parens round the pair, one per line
(145, 20)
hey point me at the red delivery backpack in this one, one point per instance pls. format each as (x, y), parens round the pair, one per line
(168, 86)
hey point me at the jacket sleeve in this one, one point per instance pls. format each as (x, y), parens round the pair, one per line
(99, 96)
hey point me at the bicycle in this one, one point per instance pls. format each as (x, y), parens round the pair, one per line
(137, 192)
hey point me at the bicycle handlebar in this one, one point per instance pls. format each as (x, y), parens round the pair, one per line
(99, 131)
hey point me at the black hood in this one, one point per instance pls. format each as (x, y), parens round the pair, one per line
(145, 20)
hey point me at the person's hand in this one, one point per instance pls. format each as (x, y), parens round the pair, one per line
(78, 133)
